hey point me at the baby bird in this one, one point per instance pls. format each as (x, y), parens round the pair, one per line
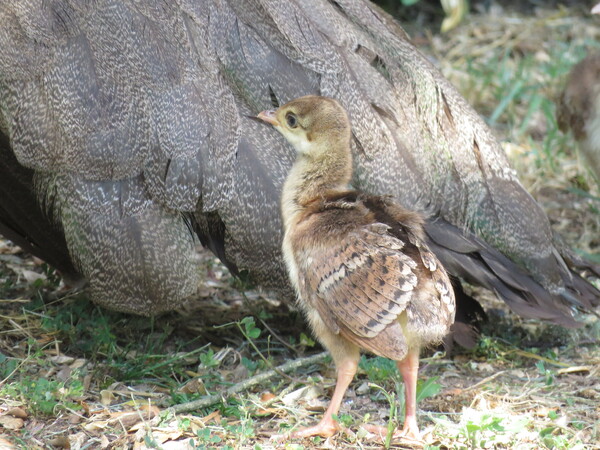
(579, 109)
(364, 277)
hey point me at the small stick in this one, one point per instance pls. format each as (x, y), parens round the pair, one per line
(243, 385)
(485, 380)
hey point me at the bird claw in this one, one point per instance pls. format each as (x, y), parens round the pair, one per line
(324, 429)
(410, 430)
(279, 438)
(408, 434)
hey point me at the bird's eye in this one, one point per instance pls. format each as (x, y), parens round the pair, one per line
(291, 120)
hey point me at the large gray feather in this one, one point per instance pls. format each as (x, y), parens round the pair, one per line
(133, 114)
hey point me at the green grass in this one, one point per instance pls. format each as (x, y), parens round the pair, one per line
(514, 85)
(161, 359)
(43, 395)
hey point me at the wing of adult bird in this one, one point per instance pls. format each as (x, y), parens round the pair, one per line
(134, 116)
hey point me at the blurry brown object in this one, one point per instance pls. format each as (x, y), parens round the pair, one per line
(579, 108)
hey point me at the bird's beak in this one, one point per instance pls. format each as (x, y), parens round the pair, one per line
(596, 9)
(269, 117)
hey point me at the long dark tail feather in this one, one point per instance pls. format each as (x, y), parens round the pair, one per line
(468, 257)
(469, 318)
(22, 219)
(210, 229)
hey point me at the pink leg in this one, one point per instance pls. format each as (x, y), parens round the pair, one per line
(328, 426)
(409, 368)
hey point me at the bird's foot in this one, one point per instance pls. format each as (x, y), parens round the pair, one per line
(325, 428)
(409, 433)
(410, 429)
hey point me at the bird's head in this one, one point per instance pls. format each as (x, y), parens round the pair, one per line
(313, 125)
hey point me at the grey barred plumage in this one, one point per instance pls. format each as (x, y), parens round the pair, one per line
(134, 115)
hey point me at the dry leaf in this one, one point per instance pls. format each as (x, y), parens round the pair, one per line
(267, 396)
(11, 423)
(363, 388)
(5, 444)
(193, 386)
(44, 339)
(184, 444)
(197, 423)
(64, 373)
(8, 249)
(87, 381)
(60, 442)
(484, 367)
(78, 363)
(61, 359)
(130, 418)
(316, 404)
(574, 369)
(106, 397)
(96, 425)
(85, 407)
(543, 411)
(74, 419)
(31, 276)
(104, 442)
(17, 412)
(454, 391)
(163, 436)
(127, 419)
(214, 416)
(305, 393)
(588, 393)
(267, 411)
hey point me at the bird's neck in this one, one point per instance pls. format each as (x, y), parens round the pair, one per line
(311, 177)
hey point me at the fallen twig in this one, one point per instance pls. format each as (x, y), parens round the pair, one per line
(243, 385)
(485, 380)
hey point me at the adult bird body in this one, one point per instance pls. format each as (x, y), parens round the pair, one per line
(359, 264)
(128, 121)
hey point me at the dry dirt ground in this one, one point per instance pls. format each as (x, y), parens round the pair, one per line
(75, 376)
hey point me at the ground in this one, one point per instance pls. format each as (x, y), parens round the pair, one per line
(75, 376)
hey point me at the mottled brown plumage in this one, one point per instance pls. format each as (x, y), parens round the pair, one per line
(578, 109)
(131, 119)
(362, 271)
